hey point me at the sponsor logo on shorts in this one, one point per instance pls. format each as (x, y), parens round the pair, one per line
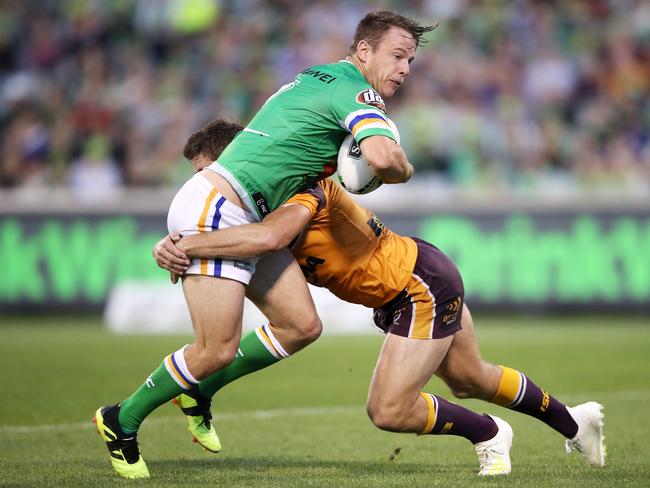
(449, 319)
(372, 98)
(455, 305)
(452, 311)
(242, 266)
(397, 315)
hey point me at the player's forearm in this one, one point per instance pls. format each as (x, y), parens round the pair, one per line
(394, 167)
(387, 159)
(245, 241)
(250, 240)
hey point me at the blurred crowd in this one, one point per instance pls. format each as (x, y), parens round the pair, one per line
(96, 95)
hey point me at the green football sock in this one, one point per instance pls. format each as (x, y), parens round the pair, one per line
(257, 350)
(168, 381)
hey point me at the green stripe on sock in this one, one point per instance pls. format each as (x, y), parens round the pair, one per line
(252, 356)
(159, 388)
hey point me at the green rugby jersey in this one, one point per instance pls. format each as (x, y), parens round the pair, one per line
(294, 139)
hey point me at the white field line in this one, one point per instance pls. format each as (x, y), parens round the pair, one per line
(295, 412)
(218, 417)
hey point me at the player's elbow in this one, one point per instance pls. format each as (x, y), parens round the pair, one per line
(265, 244)
(274, 240)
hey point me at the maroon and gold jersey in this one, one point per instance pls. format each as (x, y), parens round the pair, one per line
(347, 250)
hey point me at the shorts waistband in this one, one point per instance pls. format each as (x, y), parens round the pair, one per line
(239, 189)
(235, 209)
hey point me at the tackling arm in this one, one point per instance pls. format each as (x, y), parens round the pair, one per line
(387, 158)
(275, 232)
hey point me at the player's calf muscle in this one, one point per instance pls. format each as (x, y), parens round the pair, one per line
(468, 376)
(481, 382)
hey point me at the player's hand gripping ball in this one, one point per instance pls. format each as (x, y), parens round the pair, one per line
(354, 172)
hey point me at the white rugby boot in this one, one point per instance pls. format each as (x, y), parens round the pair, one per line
(589, 441)
(494, 454)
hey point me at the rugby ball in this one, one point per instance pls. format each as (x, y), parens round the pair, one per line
(354, 172)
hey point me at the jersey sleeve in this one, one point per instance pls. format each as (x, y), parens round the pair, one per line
(312, 198)
(360, 110)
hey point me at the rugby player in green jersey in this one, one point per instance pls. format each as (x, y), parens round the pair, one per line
(283, 150)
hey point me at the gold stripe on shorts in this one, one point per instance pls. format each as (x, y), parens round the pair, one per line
(423, 309)
(202, 227)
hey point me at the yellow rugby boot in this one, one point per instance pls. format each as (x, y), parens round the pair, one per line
(124, 453)
(199, 422)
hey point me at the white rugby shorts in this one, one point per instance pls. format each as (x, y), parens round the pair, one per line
(199, 207)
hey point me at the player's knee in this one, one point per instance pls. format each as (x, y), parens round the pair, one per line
(308, 329)
(377, 416)
(223, 358)
(305, 328)
(313, 329)
(385, 416)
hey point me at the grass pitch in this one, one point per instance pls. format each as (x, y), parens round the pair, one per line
(302, 422)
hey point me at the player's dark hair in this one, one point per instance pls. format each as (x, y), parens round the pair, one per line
(376, 23)
(212, 139)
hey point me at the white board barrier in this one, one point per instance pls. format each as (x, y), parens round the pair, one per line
(140, 307)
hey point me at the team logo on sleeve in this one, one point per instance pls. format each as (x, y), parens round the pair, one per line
(371, 97)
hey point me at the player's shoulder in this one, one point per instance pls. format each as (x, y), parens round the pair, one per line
(353, 87)
(342, 69)
(326, 76)
(320, 196)
(340, 74)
